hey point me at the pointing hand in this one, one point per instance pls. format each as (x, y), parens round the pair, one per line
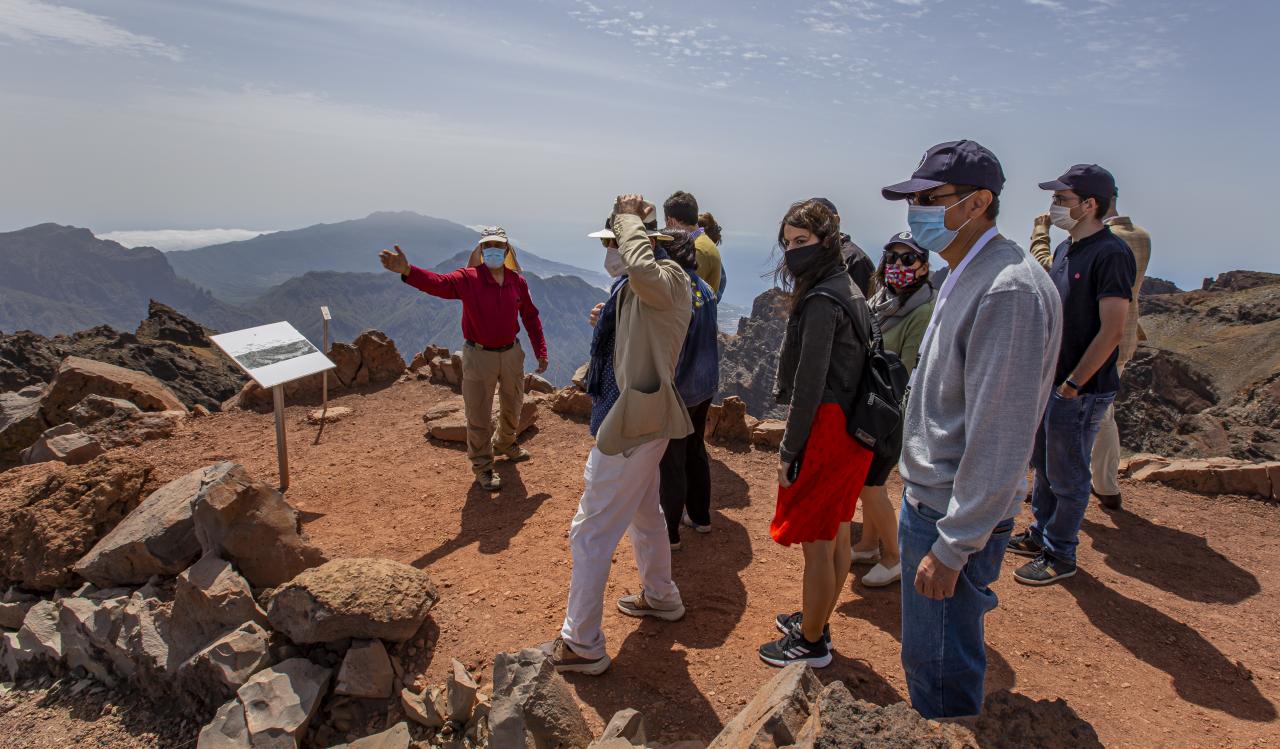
(395, 261)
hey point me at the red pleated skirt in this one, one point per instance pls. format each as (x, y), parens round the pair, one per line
(825, 494)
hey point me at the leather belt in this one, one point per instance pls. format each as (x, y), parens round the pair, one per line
(495, 349)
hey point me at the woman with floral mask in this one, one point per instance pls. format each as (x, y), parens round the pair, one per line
(495, 300)
(902, 303)
(821, 468)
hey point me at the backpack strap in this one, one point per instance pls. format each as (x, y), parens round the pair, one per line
(876, 341)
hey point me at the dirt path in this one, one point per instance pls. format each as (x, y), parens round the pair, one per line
(1167, 637)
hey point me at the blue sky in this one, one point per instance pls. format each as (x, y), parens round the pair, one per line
(269, 114)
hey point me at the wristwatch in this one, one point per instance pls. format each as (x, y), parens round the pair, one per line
(1072, 384)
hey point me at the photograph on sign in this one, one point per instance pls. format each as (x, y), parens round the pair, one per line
(273, 354)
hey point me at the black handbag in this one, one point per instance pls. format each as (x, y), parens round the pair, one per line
(873, 412)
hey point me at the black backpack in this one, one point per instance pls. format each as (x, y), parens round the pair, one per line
(873, 413)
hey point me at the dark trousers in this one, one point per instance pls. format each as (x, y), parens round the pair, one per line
(686, 476)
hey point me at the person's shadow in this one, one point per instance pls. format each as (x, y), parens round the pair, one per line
(1175, 561)
(1201, 673)
(1014, 721)
(491, 519)
(728, 489)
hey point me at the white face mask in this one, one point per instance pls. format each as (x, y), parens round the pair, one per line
(613, 263)
(1060, 216)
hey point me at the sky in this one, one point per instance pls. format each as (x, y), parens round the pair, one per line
(235, 115)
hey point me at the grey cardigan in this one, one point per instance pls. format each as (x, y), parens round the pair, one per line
(821, 360)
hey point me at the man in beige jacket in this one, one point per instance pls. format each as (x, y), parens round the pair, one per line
(636, 410)
(1105, 462)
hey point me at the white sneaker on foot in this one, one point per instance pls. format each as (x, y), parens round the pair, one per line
(879, 576)
(688, 522)
(865, 557)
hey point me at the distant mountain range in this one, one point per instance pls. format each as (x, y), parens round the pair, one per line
(240, 272)
(60, 279)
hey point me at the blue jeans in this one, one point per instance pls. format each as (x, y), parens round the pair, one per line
(1064, 443)
(944, 650)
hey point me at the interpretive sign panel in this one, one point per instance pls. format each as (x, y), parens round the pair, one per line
(273, 354)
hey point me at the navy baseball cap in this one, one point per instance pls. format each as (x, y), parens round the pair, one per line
(957, 162)
(904, 237)
(1085, 179)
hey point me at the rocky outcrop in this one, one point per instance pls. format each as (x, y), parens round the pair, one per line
(571, 401)
(78, 378)
(776, 714)
(357, 598)
(1240, 280)
(1152, 286)
(370, 360)
(447, 422)
(1212, 476)
(749, 359)
(51, 514)
(728, 423)
(279, 702)
(20, 422)
(839, 720)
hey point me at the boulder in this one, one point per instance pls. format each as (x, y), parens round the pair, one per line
(727, 423)
(51, 514)
(89, 629)
(446, 369)
(423, 709)
(78, 378)
(20, 422)
(451, 425)
(767, 434)
(460, 693)
(96, 407)
(451, 428)
(64, 443)
(164, 323)
(331, 415)
(36, 644)
(250, 524)
(146, 641)
(776, 714)
(158, 537)
(125, 429)
(444, 408)
(839, 720)
(227, 730)
(1207, 476)
(395, 737)
(226, 664)
(380, 362)
(346, 359)
(353, 597)
(626, 725)
(532, 704)
(536, 383)
(210, 598)
(13, 612)
(280, 701)
(572, 402)
(366, 671)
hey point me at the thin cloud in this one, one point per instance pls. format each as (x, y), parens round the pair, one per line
(32, 21)
(170, 240)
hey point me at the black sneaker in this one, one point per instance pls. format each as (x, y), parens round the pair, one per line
(793, 648)
(1109, 501)
(1025, 545)
(791, 622)
(1043, 570)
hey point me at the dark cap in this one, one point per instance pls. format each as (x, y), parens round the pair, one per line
(904, 237)
(1085, 179)
(957, 162)
(830, 206)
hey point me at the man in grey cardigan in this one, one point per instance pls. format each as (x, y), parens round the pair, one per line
(986, 367)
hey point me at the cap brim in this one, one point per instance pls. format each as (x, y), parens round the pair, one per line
(602, 234)
(493, 240)
(901, 190)
(659, 235)
(1056, 184)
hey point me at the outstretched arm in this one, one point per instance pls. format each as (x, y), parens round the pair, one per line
(445, 286)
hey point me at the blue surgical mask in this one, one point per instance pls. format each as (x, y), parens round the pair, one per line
(494, 257)
(929, 225)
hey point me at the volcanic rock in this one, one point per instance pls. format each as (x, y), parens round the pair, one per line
(280, 701)
(532, 701)
(64, 443)
(227, 663)
(209, 599)
(838, 721)
(353, 597)
(727, 423)
(157, 538)
(20, 422)
(366, 671)
(460, 693)
(572, 402)
(777, 713)
(78, 377)
(96, 407)
(38, 642)
(227, 730)
(250, 524)
(423, 708)
(535, 383)
(380, 362)
(51, 514)
(626, 725)
(767, 434)
(749, 359)
(396, 737)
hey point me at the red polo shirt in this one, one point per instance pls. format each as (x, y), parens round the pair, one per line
(488, 310)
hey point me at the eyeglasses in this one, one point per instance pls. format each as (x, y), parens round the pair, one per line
(932, 199)
(1064, 200)
(907, 259)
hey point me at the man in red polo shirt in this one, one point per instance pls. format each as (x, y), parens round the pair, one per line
(493, 294)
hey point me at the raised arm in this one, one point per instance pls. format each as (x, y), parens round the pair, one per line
(657, 285)
(443, 285)
(1041, 246)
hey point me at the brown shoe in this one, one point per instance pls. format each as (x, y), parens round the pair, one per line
(514, 454)
(489, 481)
(567, 661)
(1108, 501)
(636, 605)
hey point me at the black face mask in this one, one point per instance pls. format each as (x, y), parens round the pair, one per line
(802, 259)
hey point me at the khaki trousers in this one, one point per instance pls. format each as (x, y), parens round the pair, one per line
(482, 371)
(1104, 463)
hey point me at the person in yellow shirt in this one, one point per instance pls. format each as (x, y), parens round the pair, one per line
(681, 212)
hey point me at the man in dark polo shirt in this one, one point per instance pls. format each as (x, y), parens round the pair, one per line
(1094, 271)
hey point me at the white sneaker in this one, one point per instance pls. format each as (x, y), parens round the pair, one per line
(879, 576)
(865, 557)
(686, 520)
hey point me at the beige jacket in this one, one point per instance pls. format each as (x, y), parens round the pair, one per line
(1139, 244)
(653, 313)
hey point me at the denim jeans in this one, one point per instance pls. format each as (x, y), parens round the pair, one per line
(1064, 476)
(944, 650)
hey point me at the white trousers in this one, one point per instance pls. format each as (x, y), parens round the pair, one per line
(1105, 460)
(620, 495)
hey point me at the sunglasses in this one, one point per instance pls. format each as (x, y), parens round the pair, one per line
(908, 258)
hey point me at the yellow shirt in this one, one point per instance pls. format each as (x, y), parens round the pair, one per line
(708, 261)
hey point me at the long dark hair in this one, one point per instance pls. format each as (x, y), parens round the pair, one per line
(818, 219)
(709, 226)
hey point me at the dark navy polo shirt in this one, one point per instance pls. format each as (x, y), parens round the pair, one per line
(1099, 266)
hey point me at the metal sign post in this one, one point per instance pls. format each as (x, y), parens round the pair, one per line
(282, 451)
(324, 402)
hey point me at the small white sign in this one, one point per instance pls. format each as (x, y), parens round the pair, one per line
(273, 354)
(324, 312)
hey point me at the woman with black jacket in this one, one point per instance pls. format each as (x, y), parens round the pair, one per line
(821, 469)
